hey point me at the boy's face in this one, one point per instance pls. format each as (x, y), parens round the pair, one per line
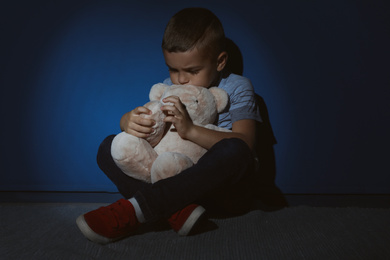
(194, 68)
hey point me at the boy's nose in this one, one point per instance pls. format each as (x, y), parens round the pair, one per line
(183, 79)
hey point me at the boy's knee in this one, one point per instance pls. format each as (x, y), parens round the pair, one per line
(107, 142)
(104, 149)
(234, 144)
(235, 147)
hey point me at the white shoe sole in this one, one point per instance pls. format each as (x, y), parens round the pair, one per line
(191, 221)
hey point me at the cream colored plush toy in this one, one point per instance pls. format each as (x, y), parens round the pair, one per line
(165, 153)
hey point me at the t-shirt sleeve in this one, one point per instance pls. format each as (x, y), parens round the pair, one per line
(167, 81)
(243, 103)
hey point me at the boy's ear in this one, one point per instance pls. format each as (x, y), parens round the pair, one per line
(222, 60)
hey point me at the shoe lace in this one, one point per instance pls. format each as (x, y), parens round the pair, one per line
(119, 213)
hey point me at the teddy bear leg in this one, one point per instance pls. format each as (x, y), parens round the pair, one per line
(133, 155)
(169, 164)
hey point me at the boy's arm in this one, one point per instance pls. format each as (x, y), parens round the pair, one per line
(243, 129)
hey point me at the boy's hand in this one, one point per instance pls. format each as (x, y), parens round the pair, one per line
(177, 115)
(133, 123)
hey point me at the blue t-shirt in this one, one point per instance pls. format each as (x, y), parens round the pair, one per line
(242, 101)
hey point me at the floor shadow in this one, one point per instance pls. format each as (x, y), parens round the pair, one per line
(266, 192)
(205, 226)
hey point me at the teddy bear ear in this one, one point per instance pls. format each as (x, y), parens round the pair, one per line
(157, 91)
(221, 98)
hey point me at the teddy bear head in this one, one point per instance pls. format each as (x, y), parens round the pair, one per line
(202, 104)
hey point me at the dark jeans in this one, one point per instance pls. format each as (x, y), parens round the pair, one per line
(220, 180)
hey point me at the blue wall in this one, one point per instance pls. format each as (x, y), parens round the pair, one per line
(70, 69)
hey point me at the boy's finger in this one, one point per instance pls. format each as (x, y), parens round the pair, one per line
(145, 121)
(137, 134)
(173, 99)
(142, 110)
(138, 130)
(170, 119)
(170, 109)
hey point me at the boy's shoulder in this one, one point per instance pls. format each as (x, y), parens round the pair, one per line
(234, 81)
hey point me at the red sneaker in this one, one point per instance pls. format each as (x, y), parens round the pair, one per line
(184, 221)
(110, 223)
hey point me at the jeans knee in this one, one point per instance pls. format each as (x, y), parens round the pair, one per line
(235, 149)
(104, 151)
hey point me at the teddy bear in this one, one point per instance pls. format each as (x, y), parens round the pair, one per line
(164, 153)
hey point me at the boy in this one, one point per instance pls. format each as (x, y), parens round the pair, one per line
(194, 51)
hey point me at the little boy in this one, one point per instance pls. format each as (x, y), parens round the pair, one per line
(194, 51)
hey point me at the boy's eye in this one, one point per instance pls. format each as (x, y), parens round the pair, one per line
(194, 72)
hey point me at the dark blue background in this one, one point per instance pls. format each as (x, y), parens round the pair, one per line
(70, 69)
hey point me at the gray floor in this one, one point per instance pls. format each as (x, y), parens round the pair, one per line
(48, 231)
(41, 225)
